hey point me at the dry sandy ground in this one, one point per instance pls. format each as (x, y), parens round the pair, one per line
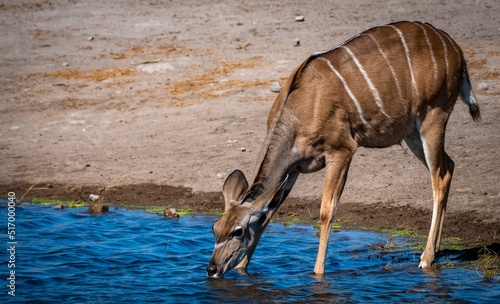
(128, 98)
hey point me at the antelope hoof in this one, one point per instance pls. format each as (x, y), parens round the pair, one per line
(423, 264)
(318, 271)
(426, 260)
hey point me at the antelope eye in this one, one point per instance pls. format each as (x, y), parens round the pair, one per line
(238, 231)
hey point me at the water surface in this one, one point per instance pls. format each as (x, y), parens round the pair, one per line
(68, 256)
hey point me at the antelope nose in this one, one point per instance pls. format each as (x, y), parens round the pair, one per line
(211, 270)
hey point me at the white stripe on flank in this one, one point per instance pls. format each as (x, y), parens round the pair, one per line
(430, 50)
(220, 244)
(374, 90)
(346, 87)
(407, 51)
(444, 47)
(453, 45)
(393, 72)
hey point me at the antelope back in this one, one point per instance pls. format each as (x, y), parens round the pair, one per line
(376, 82)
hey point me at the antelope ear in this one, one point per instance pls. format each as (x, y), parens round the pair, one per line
(271, 199)
(235, 187)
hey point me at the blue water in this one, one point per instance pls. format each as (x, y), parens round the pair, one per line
(68, 256)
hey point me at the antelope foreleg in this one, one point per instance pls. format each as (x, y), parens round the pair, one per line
(335, 177)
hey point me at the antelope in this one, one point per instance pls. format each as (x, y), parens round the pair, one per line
(390, 83)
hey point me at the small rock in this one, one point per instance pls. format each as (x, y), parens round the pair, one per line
(296, 42)
(93, 197)
(229, 142)
(243, 149)
(276, 87)
(98, 208)
(59, 206)
(300, 19)
(171, 213)
(220, 176)
(152, 68)
(65, 64)
(483, 86)
(90, 38)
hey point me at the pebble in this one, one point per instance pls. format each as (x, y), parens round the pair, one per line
(296, 42)
(93, 197)
(229, 142)
(300, 19)
(90, 38)
(59, 206)
(65, 64)
(160, 67)
(483, 86)
(242, 149)
(171, 213)
(220, 176)
(98, 208)
(276, 87)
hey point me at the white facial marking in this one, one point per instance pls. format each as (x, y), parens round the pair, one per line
(220, 244)
(373, 89)
(348, 90)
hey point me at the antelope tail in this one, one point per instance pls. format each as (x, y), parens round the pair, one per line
(467, 96)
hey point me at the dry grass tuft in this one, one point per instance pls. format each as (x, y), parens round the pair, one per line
(144, 51)
(211, 79)
(489, 264)
(92, 75)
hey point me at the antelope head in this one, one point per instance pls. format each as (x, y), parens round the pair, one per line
(239, 229)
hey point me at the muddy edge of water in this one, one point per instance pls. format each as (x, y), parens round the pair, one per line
(468, 227)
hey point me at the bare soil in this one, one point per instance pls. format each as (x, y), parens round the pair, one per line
(156, 102)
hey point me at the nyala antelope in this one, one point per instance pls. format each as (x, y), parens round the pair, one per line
(390, 83)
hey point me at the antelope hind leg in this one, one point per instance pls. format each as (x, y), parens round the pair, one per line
(441, 170)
